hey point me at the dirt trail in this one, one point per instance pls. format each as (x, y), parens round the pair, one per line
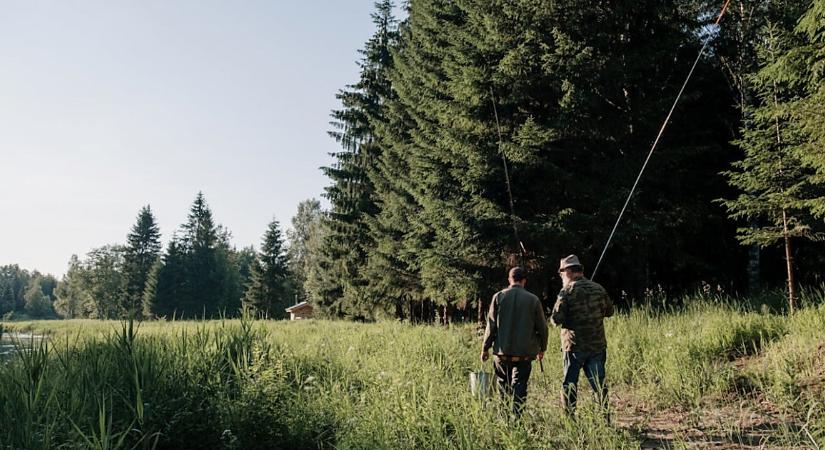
(747, 425)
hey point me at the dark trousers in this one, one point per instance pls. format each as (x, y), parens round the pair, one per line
(511, 379)
(593, 365)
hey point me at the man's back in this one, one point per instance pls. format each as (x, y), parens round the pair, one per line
(516, 324)
(580, 311)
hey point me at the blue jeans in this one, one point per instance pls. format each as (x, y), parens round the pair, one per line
(593, 365)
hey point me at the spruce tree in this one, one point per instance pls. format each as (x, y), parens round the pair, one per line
(199, 241)
(268, 293)
(804, 67)
(576, 110)
(776, 187)
(166, 284)
(142, 251)
(347, 239)
(199, 274)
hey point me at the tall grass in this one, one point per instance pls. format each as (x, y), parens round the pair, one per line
(245, 384)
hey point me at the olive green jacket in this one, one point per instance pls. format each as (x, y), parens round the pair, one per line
(516, 325)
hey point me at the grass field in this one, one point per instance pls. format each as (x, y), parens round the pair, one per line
(709, 375)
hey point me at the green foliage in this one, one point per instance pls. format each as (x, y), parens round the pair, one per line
(16, 282)
(269, 291)
(142, 251)
(576, 109)
(104, 282)
(305, 228)
(804, 66)
(320, 384)
(340, 282)
(72, 295)
(778, 179)
(775, 185)
(199, 274)
(38, 304)
(94, 286)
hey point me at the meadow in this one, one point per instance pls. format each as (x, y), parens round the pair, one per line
(711, 374)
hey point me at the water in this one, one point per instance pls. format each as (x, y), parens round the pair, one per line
(11, 343)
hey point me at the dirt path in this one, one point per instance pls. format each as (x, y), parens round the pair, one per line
(749, 424)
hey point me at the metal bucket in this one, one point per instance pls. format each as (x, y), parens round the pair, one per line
(480, 384)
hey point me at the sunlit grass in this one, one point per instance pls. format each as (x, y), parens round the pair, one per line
(261, 384)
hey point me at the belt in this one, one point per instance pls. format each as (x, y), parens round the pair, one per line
(511, 358)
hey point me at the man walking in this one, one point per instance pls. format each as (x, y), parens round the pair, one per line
(517, 333)
(580, 310)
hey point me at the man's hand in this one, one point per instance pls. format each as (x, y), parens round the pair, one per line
(484, 355)
(540, 356)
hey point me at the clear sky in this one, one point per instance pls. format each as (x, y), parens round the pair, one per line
(106, 106)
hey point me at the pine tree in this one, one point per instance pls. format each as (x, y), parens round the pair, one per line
(199, 242)
(804, 68)
(269, 290)
(347, 238)
(576, 111)
(775, 184)
(166, 284)
(199, 274)
(142, 251)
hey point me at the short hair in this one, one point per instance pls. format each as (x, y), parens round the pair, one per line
(518, 274)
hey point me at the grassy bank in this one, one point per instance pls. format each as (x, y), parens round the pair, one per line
(690, 376)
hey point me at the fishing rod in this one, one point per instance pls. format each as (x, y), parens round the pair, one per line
(519, 244)
(656, 141)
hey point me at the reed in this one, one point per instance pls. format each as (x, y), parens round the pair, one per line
(252, 384)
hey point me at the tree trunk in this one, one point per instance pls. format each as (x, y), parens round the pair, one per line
(480, 312)
(399, 310)
(789, 261)
(754, 262)
(411, 305)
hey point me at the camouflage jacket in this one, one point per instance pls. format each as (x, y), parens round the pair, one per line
(516, 325)
(580, 310)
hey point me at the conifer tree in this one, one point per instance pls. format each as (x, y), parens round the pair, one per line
(268, 292)
(166, 284)
(199, 273)
(199, 242)
(804, 67)
(142, 251)
(576, 111)
(776, 186)
(341, 283)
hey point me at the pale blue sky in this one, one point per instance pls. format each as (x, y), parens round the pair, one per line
(106, 106)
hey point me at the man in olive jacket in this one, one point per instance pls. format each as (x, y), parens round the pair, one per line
(517, 333)
(580, 310)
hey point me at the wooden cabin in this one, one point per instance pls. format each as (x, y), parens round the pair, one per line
(300, 311)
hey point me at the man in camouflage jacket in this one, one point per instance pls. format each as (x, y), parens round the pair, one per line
(580, 310)
(517, 333)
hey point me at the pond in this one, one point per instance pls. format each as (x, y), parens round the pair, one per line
(11, 343)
